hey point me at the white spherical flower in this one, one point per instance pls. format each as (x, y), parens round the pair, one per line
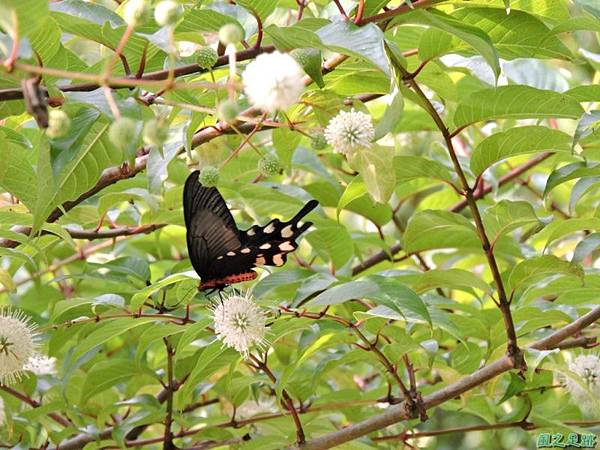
(17, 344)
(239, 323)
(588, 369)
(349, 130)
(273, 81)
(39, 364)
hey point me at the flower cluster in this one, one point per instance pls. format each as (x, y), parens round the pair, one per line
(17, 344)
(273, 81)
(240, 323)
(350, 130)
(587, 367)
(39, 364)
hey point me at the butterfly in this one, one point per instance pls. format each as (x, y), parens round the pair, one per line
(221, 253)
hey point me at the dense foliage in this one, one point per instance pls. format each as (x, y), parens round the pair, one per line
(446, 295)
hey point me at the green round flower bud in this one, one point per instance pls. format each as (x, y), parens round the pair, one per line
(209, 176)
(122, 132)
(318, 142)
(136, 12)
(231, 33)
(269, 165)
(206, 57)
(155, 132)
(227, 111)
(168, 13)
(58, 124)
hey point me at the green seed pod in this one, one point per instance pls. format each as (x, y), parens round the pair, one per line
(58, 124)
(168, 13)
(136, 12)
(318, 142)
(269, 165)
(209, 176)
(227, 111)
(122, 132)
(231, 33)
(155, 132)
(206, 57)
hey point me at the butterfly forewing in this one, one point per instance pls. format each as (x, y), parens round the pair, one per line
(211, 230)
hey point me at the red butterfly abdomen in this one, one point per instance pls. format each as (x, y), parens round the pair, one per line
(229, 279)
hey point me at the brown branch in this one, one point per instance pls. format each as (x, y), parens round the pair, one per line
(289, 404)
(403, 9)
(503, 300)
(35, 404)
(397, 413)
(17, 93)
(90, 235)
(168, 436)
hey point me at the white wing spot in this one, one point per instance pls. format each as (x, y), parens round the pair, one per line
(286, 247)
(269, 228)
(220, 257)
(245, 250)
(278, 260)
(265, 246)
(230, 253)
(260, 261)
(251, 232)
(287, 232)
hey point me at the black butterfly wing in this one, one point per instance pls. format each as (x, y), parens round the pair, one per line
(271, 243)
(211, 229)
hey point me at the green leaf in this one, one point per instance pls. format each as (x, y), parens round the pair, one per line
(212, 358)
(196, 20)
(515, 35)
(355, 189)
(30, 14)
(450, 279)
(517, 141)
(373, 164)
(500, 102)
(535, 269)
(106, 374)
(332, 241)
(296, 36)
(584, 248)
(138, 299)
(587, 125)
(16, 172)
(431, 229)
(391, 117)
(413, 167)
(386, 291)
(364, 42)
(108, 330)
(561, 228)
(506, 216)
(310, 60)
(263, 8)
(570, 172)
(473, 36)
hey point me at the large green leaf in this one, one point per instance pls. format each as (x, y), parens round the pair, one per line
(535, 269)
(571, 172)
(364, 42)
(73, 165)
(515, 35)
(473, 36)
(506, 216)
(16, 172)
(431, 229)
(412, 167)
(517, 141)
(373, 164)
(515, 102)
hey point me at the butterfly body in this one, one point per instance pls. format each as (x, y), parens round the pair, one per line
(221, 253)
